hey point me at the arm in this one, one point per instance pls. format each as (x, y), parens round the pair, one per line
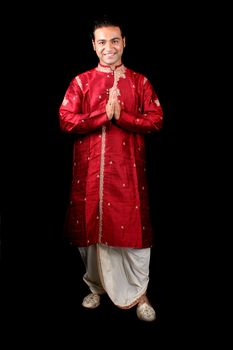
(148, 119)
(71, 118)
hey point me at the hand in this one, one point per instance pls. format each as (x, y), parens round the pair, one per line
(113, 107)
(117, 109)
(110, 109)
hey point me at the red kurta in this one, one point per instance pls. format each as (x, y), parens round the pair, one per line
(109, 201)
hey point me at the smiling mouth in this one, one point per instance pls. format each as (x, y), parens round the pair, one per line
(109, 54)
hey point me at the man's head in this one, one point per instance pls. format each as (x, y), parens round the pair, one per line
(108, 41)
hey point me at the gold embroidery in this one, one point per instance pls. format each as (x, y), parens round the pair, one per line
(65, 101)
(144, 81)
(118, 73)
(79, 83)
(119, 70)
(101, 189)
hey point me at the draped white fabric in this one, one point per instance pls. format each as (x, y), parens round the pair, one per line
(123, 273)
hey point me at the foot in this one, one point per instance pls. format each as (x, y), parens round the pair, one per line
(145, 311)
(91, 301)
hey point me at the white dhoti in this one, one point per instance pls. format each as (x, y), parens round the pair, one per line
(122, 273)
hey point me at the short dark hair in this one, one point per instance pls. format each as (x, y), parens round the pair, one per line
(107, 21)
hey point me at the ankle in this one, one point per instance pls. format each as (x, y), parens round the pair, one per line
(143, 300)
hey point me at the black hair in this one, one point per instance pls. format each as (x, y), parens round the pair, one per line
(107, 21)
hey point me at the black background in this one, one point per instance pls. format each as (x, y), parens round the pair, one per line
(44, 50)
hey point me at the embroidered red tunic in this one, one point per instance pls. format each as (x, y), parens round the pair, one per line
(108, 199)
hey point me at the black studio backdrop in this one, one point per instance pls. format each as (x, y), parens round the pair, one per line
(44, 51)
(45, 54)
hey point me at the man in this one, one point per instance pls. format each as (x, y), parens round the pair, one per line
(110, 108)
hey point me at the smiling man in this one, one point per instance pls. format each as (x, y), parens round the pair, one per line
(110, 109)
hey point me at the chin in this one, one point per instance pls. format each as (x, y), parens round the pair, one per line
(110, 63)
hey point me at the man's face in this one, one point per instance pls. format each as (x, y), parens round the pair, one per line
(109, 45)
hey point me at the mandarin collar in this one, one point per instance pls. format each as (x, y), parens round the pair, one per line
(108, 69)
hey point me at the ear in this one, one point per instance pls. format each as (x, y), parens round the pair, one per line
(93, 44)
(124, 42)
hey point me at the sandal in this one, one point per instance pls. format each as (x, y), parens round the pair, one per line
(91, 301)
(145, 312)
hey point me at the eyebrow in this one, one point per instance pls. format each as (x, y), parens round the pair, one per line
(118, 38)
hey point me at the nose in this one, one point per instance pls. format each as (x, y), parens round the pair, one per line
(109, 45)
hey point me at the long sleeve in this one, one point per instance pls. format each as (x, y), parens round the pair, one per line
(74, 114)
(149, 117)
